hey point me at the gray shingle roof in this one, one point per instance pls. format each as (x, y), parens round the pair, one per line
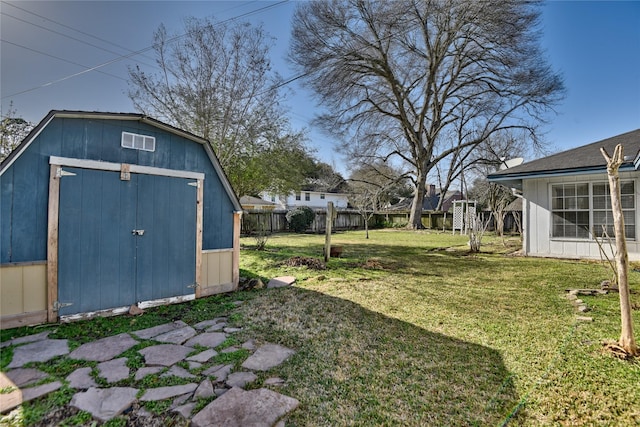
(584, 158)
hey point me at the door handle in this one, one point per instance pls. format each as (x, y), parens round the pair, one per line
(137, 232)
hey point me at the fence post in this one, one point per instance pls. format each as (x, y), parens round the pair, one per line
(327, 238)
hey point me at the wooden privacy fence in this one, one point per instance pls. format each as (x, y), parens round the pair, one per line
(275, 221)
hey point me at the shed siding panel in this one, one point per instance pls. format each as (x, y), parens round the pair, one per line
(35, 287)
(28, 221)
(6, 208)
(11, 291)
(24, 235)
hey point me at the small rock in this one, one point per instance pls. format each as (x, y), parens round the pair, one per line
(114, 370)
(241, 379)
(23, 377)
(584, 319)
(104, 349)
(38, 351)
(185, 410)
(81, 379)
(180, 400)
(231, 349)
(232, 330)
(203, 356)
(204, 390)
(207, 339)
(177, 336)
(177, 371)
(194, 365)
(279, 282)
(237, 407)
(161, 393)
(220, 374)
(134, 310)
(164, 354)
(147, 370)
(583, 308)
(149, 333)
(105, 403)
(249, 345)
(266, 357)
(208, 323)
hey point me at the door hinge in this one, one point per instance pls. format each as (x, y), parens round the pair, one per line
(61, 172)
(194, 184)
(137, 232)
(194, 285)
(57, 305)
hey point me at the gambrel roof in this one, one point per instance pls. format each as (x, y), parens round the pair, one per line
(125, 117)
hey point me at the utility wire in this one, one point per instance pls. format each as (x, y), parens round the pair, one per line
(146, 49)
(68, 27)
(70, 37)
(60, 59)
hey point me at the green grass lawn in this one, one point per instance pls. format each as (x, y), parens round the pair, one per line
(408, 328)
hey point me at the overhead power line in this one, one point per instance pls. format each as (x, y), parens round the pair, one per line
(58, 58)
(138, 52)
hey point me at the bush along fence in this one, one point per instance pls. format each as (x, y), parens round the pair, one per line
(259, 221)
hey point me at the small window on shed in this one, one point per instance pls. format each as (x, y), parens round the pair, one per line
(138, 142)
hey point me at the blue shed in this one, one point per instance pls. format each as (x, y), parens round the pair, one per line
(102, 211)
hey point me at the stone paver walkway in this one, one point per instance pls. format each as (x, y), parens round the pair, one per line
(178, 353)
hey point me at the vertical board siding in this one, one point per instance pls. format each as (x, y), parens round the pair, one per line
(24, 186)
(102, 263)
(6, 212)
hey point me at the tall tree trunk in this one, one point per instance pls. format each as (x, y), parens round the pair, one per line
(415, 217)
(627, 341)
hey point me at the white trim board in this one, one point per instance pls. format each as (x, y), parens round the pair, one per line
(116, 167)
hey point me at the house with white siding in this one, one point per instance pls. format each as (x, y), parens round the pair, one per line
(313, 199)
(566, 200)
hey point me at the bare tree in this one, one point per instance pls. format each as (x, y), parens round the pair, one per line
(466, 163)
(627, 341)
(398, 76)
(371, 187)
(215, 80)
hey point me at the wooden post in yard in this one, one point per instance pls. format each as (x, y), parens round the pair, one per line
(627, 341)
(327, 239)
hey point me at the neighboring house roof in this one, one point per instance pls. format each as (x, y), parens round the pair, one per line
(586, 159)
(515, 205)
(123, 116)
(255, 201)
(429, 203)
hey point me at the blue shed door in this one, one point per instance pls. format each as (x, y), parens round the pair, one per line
(122, 242)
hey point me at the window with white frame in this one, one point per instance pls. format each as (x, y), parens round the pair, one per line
(298, 196)
(138, 142)
(602, 214)
(322, 196)
(577, 209)
(307, 196)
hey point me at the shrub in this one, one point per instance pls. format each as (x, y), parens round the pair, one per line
(300, 218)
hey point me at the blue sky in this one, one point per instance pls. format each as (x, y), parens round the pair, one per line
(595, 45)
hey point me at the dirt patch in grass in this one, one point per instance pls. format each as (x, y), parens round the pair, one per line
(299, 261)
